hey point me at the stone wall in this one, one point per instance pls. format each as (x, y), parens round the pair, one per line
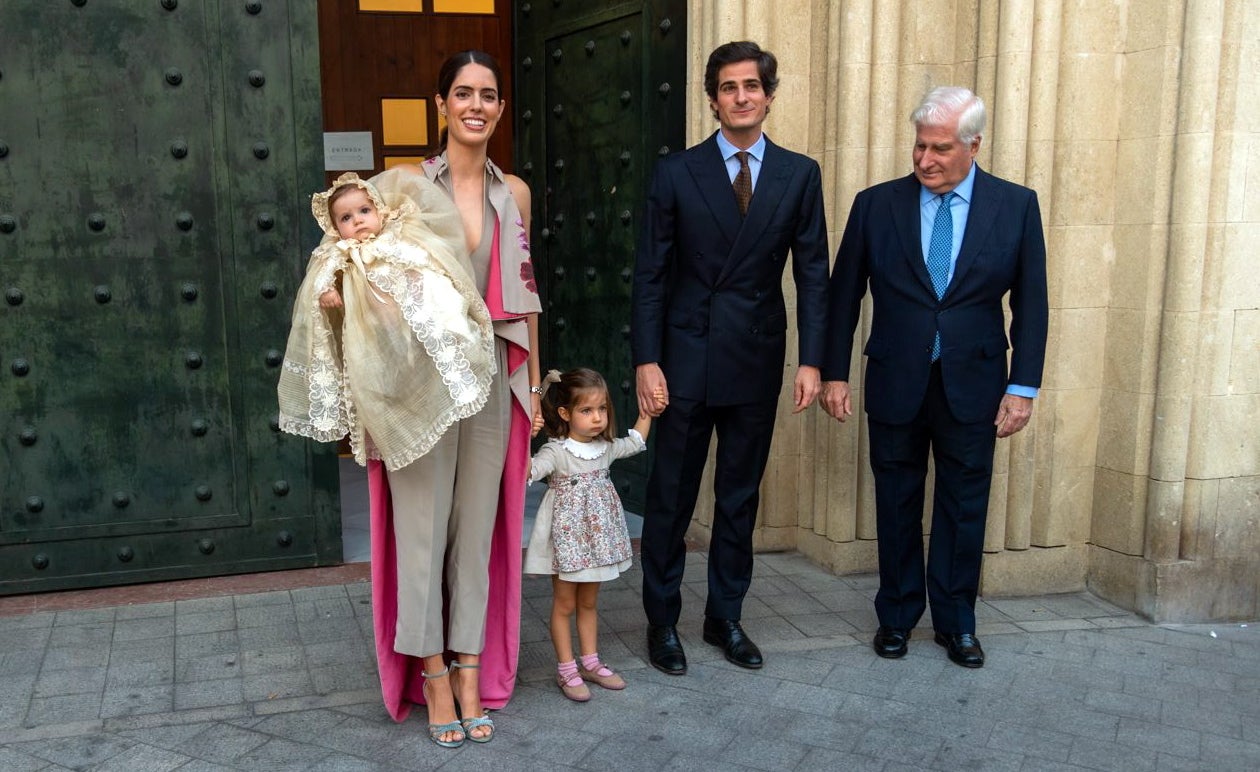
(1138, 124)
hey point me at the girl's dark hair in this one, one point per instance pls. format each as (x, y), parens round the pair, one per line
(451, 67)
(563, 390)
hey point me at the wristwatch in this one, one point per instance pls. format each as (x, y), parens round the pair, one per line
(536, 390)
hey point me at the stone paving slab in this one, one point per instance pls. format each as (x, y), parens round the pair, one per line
(285, 680)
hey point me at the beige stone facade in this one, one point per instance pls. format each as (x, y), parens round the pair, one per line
(1138, 124)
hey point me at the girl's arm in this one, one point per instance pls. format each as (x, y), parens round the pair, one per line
(643, 425)
(542, 464)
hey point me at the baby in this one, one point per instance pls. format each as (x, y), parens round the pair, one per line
(404, 348)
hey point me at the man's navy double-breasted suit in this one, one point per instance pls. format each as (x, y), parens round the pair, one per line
(708, 307)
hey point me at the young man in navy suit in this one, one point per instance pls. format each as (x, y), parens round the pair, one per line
(939, 249)
(710, 327)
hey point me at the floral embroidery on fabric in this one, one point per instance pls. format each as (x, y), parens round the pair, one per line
(588, 527)
(521, 239)
(527, 276)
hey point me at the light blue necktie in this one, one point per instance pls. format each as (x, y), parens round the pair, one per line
(938, 258)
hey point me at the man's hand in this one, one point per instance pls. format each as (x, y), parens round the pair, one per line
(1012, 415)
(836, 400)
(651, 389)
(805, 390)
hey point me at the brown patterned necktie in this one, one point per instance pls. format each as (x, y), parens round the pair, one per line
(743, 183)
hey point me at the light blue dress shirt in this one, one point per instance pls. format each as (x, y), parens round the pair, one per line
(960, 207)
(755, 154)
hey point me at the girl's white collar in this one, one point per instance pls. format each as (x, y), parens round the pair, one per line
(587, 451)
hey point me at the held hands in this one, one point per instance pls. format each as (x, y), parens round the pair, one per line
(330, 299)
(658, 399)
(837, 400)
(645, 419)
(535, 403)
(652, 390)
(1013, 414)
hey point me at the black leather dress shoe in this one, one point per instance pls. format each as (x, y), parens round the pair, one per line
(963, 648)
(891, 642)
(665, 651)
(735, 644)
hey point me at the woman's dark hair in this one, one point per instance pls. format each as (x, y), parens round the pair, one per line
(564, 390)
(450, 69)
(741, 51)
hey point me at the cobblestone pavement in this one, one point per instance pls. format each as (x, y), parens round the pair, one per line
(285, 680)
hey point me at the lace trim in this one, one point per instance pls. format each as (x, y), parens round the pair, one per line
(291, 425)
(445, 349)
(332, 410)
(326, 275)
(587, 451)
(427, 440)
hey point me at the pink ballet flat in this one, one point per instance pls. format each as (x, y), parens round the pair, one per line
(603, 676)
(573, 688)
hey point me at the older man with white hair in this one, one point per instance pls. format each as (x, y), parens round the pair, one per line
(940, 249)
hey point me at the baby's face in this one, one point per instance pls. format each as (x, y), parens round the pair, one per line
(355, 215)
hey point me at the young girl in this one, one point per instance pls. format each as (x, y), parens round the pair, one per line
(580, 535)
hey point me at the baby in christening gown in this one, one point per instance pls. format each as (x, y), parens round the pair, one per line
(405, 347)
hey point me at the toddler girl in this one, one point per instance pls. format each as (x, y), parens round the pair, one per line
(580, 535)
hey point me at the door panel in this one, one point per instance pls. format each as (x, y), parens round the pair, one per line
(600, 92)
(157, 160)
(371, 56)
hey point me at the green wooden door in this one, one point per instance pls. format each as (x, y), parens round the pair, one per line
(156, 163)
(600, 96)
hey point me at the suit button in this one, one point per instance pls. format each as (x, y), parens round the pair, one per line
(756, 330)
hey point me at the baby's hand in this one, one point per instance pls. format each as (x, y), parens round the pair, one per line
(538, 425)
(330, 299)
(658, 396)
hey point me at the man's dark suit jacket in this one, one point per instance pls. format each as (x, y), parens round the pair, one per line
(1002, 250)
(708, 300)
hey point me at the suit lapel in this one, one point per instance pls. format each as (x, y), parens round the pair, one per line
(709, 172)
(980, 218)
(906, 222)
(772, 181)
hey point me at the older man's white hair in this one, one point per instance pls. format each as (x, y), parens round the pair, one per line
(943, 103)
